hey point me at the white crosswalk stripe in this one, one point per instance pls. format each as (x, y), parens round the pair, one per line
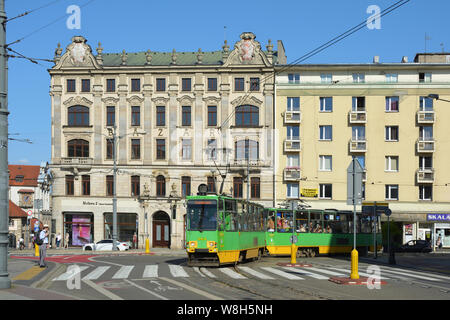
(197, 270)
(306, 273)
(404, 274)
(282, 273)
(255, 273)
(150, 271)
(373, 276)
(232, 273)
(96, 273)
(123, 272)
(72, 271)
(387, 269)
(207, 272)
(331, 273)
(177, 271)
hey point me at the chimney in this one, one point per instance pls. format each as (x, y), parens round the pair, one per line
(404, 59)
(376, 59)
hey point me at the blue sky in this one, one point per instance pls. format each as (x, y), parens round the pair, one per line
(139, 25)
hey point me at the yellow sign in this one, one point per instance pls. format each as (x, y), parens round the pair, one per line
(309, 193)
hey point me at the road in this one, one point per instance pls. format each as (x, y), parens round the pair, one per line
(165, 277)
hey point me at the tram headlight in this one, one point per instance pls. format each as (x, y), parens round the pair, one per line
(211, 244)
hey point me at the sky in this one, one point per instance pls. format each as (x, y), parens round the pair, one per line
(139, 25)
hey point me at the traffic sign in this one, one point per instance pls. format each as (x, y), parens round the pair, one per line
(354, 183)
(293, 239)
(30, 213)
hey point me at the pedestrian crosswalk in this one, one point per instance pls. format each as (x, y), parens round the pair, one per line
(241, 272)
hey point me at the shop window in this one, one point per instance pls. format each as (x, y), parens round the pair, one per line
(79, 227)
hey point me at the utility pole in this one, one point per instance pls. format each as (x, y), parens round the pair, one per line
(114, 203)
(5, 281)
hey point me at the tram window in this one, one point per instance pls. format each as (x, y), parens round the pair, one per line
(240, 207)
(315, 224)
(366, 224)
(220, 205)
(284, 223)
(301, 222)
(230, 205)
(230, 221)
(329, 222)
(271, 221)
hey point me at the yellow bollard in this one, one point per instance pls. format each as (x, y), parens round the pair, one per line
(36, 250)
(147, 246)
(293, 254)
(354, 274)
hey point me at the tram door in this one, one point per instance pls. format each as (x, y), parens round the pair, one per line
(161, 230)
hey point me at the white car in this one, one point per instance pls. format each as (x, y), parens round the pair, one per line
(106, 245)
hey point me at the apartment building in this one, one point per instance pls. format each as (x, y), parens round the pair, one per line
(392, 117)
(182, 119)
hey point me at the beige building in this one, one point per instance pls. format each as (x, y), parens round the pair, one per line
(183, 118)
(382, 114)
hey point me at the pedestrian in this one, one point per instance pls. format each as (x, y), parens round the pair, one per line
(43, 236)
(134, 241)
(21, 244)
(439, 242)
(58, 240)
(66, 241)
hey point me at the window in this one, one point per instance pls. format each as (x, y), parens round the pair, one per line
(109, 185)
(239, 84)
(293, 104)
(293, 161)
(425, 192)
(392, 104)
(358, 103)
(160, 149)
(391, 133)
(160, 84)
(70, 85)
(294, 78)
(135, 186)
(160, 116)
(426, 104)
(135, 149)
(78, 116)
(186, 149)
(359, 78)
(426, 133)
(185, 186)
(391, 192)
(110, 85)
(325, 191)
(254, 84)
(211, 183)
(135, 85)
(110, 116)
(424, 77)
(292, 190)
(325, 133)
(186, 84)
(19, 178)
(255, 188)
(326, 104)
(325, 163)
(160, 186)
(326, 78)
(136, 116)
(109, 148)
(391, 163)
(247, 116)
(86, 185)
(212, 116)
(293, 133)
(425, 163)
(391, 77)
(212, 149)
(212, 84)
(244, 149)
(70, 180)
(358, 133)
(85, 85)
(78, 148)
(237, 187)
(186, 116)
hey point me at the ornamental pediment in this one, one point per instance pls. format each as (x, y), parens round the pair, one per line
(78, 55)
(247, 100)
(186, 99)
(110, 100)
(78, 101)
(160, 100)
(247, 51)
(135, 99)
(212, 100)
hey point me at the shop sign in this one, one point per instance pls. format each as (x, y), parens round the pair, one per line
(96, 203)
(309, 193)
(438, 217)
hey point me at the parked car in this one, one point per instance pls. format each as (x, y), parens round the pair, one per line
(415, 246)
(106, 245)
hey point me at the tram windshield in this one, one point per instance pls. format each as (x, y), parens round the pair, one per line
(202, 215)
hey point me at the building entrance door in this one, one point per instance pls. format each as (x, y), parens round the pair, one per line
(161, 230)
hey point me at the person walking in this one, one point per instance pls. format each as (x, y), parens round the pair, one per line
(66, 241)
(58, 240)
(43, 236)
(134, 241)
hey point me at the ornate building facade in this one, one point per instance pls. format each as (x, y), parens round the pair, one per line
(182, 119)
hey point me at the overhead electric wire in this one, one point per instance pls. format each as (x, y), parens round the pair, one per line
(31, 11)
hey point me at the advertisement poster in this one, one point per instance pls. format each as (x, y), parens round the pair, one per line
(408, 230)
(81, 231)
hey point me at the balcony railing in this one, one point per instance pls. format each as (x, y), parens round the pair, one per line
(252, 163)
(292, 174)
(358, 145)
(425, 145)
(76, 162)
(292, 144)
(425, 117)
(292, 117)
(357, 117)
(425, 175)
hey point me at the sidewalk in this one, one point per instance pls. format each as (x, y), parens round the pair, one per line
(78, 251)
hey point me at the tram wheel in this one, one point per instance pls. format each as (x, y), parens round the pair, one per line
(311, 253)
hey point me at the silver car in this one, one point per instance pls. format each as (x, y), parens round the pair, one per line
(106, 245)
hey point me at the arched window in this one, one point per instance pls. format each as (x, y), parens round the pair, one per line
(78, 148)
(160, 186)
(247, 116)
(78, 116)
(244, 149)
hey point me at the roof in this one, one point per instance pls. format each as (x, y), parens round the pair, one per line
(21, 175)
(15, 211)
